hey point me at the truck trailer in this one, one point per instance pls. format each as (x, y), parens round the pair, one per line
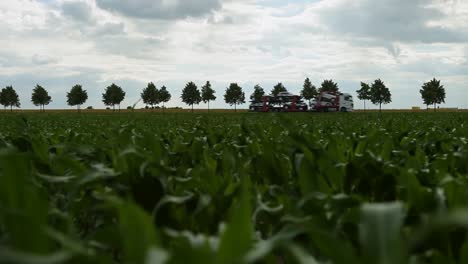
(283, 102)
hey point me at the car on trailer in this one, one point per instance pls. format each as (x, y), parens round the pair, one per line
(283, 102)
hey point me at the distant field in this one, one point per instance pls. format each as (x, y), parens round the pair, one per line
(233, 188)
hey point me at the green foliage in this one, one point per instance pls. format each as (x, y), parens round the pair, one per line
(364, 93)
(207, 94)
(234, 95)
(257, 96)
(433, 93)
(328, 86)
(191, 95)
(77, 96)
(278, 88)
(380, 94)
(40, 97)
(309, 91)
(9, 98)
(150, 95)
(234, 188)
(113, 95)
(164, 95)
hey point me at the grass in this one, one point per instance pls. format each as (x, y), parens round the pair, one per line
(233, 188)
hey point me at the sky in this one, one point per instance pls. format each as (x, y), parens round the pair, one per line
(60, 43)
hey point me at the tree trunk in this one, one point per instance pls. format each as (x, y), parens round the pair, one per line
(192, 108)
(11, 108)
(235, 108)
(164, 109)
(364, 105)
(208, 106)
(380, 108)
(435, 107)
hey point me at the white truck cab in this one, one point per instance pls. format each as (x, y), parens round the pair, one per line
(329, 102)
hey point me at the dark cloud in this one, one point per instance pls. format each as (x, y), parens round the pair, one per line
(77, 10)
(390, 20)
(161, 9)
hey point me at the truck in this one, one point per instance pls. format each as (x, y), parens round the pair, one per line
(283, 102)
(332, 102)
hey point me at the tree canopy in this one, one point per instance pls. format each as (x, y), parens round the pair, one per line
(9, 98)
(191, 95)
(164, 95)
(309, 91)
(257, 96)
(113, 95)
(433, 93)
(364, 93)
(329, 86)
(234, 95)
(150, 95)
(40, 97)
(77, 96)
(207, 94)
(380, 94)
(278, 88)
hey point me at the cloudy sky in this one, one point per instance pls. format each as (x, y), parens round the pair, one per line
(59, 43)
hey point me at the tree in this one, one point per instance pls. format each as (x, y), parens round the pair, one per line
(329, 86)
(77, 96)
(40, 97)
(309, 91)
(364, 93)
(257, 96)
(3, 98)
(113, 95)
(207, 94)
(164, 96)
(9, 97)
(433, 93)
(150, 95)
(278, 88)
(191, 94)
(380, 94)
(234, 95)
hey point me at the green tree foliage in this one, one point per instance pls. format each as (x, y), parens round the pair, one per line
(207, 94)
(257, 96)
(278, 88)
(234, 95)
(191, 95)
(40, 97)
(77, 96)
(113, 95)
(433, 93)
(164, 96)
(3, 98)
(364, 93)
(329, 86)
(380, 94)
(309, 91)
(150, 95)
(9, 98)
